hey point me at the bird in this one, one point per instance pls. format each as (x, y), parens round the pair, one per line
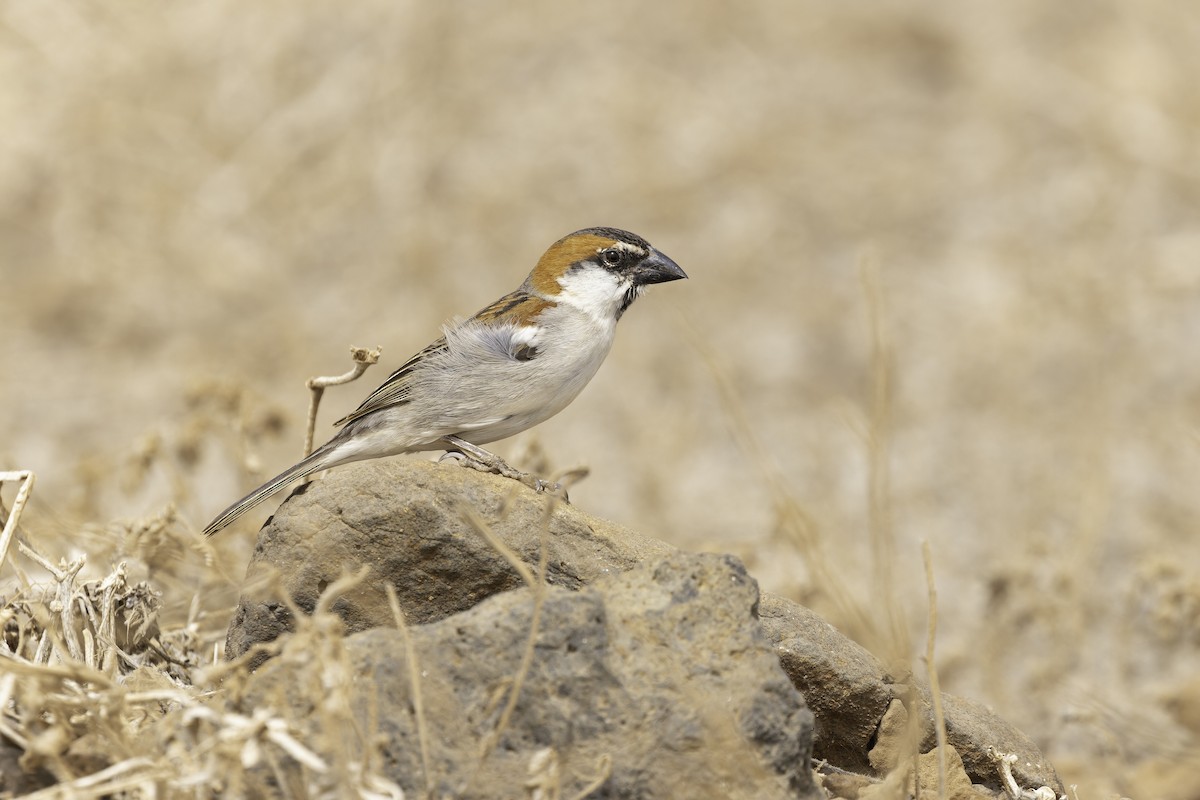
(511, 366)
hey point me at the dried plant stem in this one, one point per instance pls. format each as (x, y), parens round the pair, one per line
(107, 782)
(604, 772)
(878, 441)
(1004, 762)
(25, 478)
(414, 678)
(333, 591)
(935, 692)
(481, 527)
(794, 521)
(362, 358)
(539, 587)
(64, 599)
(7, 684)
(539, 596)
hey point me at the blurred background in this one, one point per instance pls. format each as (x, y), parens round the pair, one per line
(944, 288)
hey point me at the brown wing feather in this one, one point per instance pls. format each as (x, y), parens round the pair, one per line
(521, 307)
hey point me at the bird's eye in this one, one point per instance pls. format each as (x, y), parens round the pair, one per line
(612, 257)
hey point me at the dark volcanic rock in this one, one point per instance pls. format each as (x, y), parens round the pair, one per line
(845, 685)
(662, 670)
(407, 521)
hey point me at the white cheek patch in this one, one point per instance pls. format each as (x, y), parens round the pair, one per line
(593, 290)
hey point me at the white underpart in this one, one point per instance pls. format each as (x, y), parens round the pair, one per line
(594, 291)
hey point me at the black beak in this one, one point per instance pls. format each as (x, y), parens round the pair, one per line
(657, 268)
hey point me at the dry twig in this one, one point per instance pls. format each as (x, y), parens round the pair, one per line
(414, 677)
(1004, 762)
(935, 691)
(25, 478)
(362, 358)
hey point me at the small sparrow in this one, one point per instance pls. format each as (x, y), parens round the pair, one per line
(515, 364)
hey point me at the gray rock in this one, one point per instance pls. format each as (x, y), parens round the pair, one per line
(971, 728)
(404, 518)
(849, 692)
(662, 669)
(846, 687)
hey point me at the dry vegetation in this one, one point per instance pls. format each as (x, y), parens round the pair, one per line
(945, 286)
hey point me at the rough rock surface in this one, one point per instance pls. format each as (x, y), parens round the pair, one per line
(662, 669)
(405, 519)
(972, 727)
(845, 686)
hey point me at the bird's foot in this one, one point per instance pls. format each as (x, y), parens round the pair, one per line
(475, 457)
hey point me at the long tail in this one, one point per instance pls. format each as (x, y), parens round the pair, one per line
(321, 458)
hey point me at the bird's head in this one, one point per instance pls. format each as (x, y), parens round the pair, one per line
(600, 270)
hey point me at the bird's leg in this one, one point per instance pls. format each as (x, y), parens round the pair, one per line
(474, 456)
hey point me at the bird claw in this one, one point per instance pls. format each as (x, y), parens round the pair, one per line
(464, 460)
(541, 485)
(475, 457)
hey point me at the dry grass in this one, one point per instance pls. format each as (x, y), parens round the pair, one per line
(103, 699)
(202, 205)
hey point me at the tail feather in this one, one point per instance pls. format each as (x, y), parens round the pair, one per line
(319, 459)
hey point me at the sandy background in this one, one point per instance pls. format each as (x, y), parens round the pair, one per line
(944, 287)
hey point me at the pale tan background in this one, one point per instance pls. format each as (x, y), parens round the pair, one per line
(203, 203)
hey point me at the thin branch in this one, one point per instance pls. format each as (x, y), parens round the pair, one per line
(604, 772)
(935, 691)
(414, 678)
(26, 478)
(362, 358)
(539, 596)
(481, 527)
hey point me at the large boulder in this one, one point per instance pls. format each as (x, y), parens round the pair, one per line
(661, 673)
(408, 520)
(420, 527)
